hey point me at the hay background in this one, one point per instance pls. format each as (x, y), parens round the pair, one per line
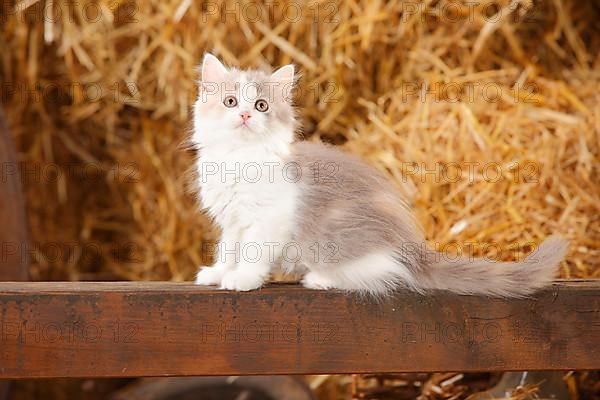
(99, 107)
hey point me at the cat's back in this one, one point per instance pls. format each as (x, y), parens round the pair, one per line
(325, 165)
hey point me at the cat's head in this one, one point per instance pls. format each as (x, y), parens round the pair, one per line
(243, 106)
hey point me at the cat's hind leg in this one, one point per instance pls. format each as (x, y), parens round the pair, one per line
(318, 280)
(376, 273)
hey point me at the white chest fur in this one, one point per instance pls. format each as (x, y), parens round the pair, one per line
(244, 187)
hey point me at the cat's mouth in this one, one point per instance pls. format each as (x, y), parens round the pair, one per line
(244, 126)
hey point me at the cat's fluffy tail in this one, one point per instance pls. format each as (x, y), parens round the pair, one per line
(500, 279)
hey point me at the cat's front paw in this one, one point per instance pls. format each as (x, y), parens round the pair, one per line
(209, 276)
(241, 280)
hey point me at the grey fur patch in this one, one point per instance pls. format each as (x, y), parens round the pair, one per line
(348, 209)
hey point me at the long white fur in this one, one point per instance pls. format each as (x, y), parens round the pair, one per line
(243, 186)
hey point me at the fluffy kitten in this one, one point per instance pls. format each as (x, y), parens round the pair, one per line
(315, 209)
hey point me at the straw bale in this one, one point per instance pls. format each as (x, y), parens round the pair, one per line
(501, 98)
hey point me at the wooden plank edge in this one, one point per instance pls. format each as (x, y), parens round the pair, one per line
(173, 329)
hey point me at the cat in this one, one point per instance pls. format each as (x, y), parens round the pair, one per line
(312, 208)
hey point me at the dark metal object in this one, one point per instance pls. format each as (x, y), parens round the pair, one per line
(550, 385)
(218, 388)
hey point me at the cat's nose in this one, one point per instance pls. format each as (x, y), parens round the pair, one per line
(245, 116)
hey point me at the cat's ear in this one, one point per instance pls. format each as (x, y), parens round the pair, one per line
(212, 69)
(284, 75)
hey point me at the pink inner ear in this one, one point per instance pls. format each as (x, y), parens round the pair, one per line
(212, 70)
(284, 74)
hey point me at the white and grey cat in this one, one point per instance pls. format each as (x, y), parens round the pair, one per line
(315, 209)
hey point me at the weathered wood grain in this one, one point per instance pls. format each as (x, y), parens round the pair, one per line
(13, 231)
(159, 329)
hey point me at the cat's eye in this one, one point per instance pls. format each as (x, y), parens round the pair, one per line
(230, 101)
(261, 105)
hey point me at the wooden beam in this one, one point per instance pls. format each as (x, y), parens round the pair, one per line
(159, 329)
(13, 233)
